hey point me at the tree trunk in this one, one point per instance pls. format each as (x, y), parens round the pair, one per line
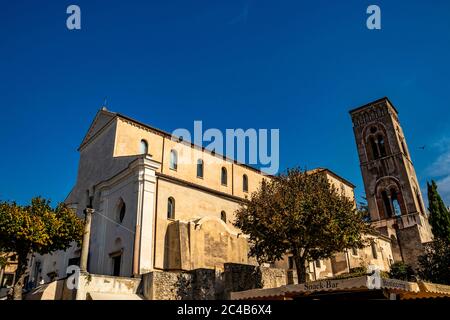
(22, 264)
(301, 268)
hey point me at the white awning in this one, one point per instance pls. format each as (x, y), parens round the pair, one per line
(364, 283)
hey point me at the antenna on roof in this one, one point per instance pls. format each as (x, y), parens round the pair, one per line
(105, 102)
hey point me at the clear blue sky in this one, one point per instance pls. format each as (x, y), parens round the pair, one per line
(294, 65)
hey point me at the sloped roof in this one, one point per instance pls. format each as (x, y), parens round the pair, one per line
(102, 118)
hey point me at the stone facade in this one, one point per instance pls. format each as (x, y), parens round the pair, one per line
(392, 189)
(377, 253)
(208, 284)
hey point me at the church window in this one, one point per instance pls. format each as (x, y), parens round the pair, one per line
(144, 147)
(224, 177)
(374, 250)
(245, 183)
(381, 146)
(395, 203)
(171, 208)
(223, 216)
(374, 148)
(173, 160)
(318, 265)
(199, 168)
(387, 204)
(121, 210)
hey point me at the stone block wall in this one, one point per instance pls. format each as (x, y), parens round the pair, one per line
(411, 245)
(209, 284)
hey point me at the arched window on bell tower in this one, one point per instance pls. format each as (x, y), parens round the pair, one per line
(376, 144)
(386, 203)
(395, 204)
(374, 148)
(381, 146)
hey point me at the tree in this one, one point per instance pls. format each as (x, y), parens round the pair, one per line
(36, 228)
(434, 265)
(439, 215)
(300, 213)
(402, 271)
(3, 262)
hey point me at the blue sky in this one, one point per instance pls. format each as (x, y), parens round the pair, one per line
(294, 65)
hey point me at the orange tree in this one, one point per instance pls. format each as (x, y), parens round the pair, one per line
(302, 214)
(36, 228)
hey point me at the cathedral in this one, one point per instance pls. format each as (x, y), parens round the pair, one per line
(155, 213)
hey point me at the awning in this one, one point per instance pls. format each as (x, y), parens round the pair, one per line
(259, 294)
(430, 290)
(113, 296)
(364, 283)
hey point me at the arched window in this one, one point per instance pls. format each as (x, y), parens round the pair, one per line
(395, 203)
(374, 250)
(387, 204)
(121, 210)
(173, 160)
(223, 216)
(245, 183)
(376, 144)
(171, 208)
(144, 147)
(374, 148)
(381, 146)
(199, 168)
(224, 177)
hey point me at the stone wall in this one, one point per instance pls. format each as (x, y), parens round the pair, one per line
(105, 284)
(411, 246)
(208, 284)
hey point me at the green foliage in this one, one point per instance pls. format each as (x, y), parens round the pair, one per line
(36, 228)
(402, 271)
(358, 273)
(362, 270)
(3, 262)
(303, 214)
(435, 263)
(439, 214)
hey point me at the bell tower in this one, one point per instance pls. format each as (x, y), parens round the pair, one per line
(394, 198)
